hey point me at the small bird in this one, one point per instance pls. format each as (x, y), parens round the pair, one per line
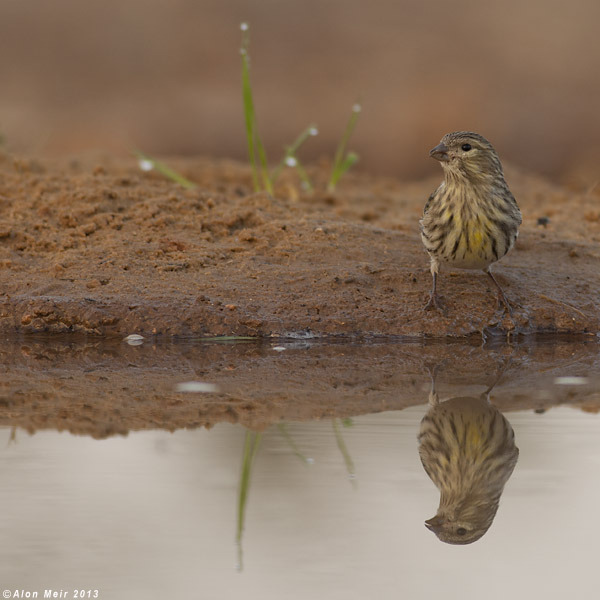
(472, 219)
(467, 447)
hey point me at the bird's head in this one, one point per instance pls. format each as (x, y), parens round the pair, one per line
(467, 155)
(463, 524)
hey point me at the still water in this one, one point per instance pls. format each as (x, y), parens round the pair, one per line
(328, 508)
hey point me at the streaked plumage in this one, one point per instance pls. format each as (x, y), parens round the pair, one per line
(467, 448)
(472, 219)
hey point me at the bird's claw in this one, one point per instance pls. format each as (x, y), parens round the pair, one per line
(504, 304)
(435, 302)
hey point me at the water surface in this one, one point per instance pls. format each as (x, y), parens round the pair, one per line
(335, 507)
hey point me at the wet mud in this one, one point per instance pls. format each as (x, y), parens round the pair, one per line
(102, 389)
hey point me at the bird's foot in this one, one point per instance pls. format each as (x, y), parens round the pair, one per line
(434, 367)
(503, 304)
(435, 302)
(506, 320)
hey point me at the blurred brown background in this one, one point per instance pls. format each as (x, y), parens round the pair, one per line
(164, 76)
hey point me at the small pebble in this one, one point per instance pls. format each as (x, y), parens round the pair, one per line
(134, 339)
(571, 380)
(196, 386)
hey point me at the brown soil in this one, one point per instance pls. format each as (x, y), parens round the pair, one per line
(102, 248)
(105, 387)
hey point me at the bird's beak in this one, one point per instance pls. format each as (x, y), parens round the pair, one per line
(434, 524)
(440, 152)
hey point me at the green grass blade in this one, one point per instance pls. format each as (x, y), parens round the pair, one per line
(342, 161)
(264, 166)
(290, 153)
(307, 184)
(165, 170)
(256, 150)
(251, 444)
(351, 159)
(292, 444)
(344, 450)
(248, 105)
(310, 131)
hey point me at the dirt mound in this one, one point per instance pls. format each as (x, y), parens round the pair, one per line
(102, 248)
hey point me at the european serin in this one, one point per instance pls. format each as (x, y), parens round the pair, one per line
(472, 219)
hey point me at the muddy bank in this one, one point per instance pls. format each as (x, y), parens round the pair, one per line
(101, 248)
(102, 389)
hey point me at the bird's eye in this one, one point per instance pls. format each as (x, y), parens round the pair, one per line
(466, 147)
(461, 530)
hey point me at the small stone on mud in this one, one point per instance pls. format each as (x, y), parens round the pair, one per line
(134, 339)
(196, 386)
(571, 380)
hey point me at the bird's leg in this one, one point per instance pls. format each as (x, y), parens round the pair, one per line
(434, 399)
(501, 296)
(499, 375)
(434, 299)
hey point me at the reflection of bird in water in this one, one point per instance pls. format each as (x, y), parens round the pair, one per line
(468, 450)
